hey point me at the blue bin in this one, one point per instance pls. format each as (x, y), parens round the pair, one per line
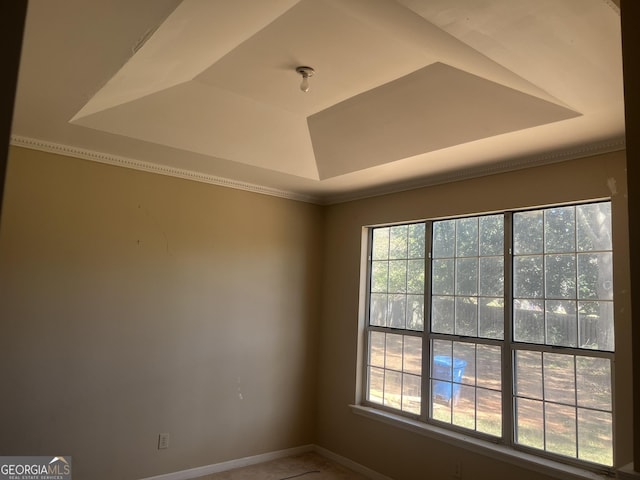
(444, 373)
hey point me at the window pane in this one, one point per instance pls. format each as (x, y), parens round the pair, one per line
(529, 423)
(594, 226)
(378, 309)
(440, 395)
(393, 389)
(442, 347)
(467, 237)
(415, 276)
(528, 374)
(527, 277)
(376, 349)
(466, 316)
(567, 379)
(412, 355)
(448, 373)
(562, 323)
(559, 378)
(489, 412)
(397, 311)
(411, 393)
(491, 318)
(380, 247)
(464, 406)
(560, 276)
(595, 437)
(442, 368)
(528, 321)
(393, 352)
(527, 233)
(416, 240)
(379, 276)
(593, 382)
(415, 312)
(492, 235)
(442, 375)
(398, 276)
(376, 385)
(492, 276)
(489, 367)
(595, 276)
(596, 325)
(568, 275)
(398, 241)
(442, 277)
(467, 276)
(447, 390)
(395, 364)
(442, 317)
(464, 366)
(560, 429)
(559, 229)
(444, 236)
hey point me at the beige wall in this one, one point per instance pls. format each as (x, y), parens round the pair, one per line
(134, 304)
(408, 456)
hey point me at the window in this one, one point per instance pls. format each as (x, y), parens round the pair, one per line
(500, 326)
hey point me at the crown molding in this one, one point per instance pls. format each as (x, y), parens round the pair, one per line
(85, 154)
(589, 150)
(614, 5)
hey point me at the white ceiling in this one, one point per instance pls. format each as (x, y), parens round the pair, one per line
(406, 92)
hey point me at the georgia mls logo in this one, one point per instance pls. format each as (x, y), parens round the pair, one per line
(35, 468)
(61, 463)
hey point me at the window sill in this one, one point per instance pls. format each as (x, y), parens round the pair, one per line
(493, 450)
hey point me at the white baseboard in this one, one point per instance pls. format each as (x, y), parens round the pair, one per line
(356, 467)
(266, 457)
(231, 464)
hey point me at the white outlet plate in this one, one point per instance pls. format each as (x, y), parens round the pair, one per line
(163, 441)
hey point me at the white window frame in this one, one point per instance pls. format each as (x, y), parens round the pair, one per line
(504, 445)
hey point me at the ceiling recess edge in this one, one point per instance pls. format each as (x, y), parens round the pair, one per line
(597, 148)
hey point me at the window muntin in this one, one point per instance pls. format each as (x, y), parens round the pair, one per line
(397, 277)
(466, 385)
(563, 296)
(563, 276)
(563, 404)
(396, 312)
(467, 286)
(450, 367)
(467, 277)
(394, 367)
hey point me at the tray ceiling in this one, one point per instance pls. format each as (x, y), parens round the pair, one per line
(405, 91)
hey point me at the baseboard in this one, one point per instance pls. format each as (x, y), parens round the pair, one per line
(231, 464)
(356, 467)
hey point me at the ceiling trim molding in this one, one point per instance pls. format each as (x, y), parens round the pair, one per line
(588, 150)
(614, 4)
(119, 161)
(558, 156)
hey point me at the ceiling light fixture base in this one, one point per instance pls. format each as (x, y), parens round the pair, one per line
(306, 72)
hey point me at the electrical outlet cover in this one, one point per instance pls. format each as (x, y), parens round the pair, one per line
(163, 441)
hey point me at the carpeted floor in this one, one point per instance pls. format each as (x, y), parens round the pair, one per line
(308, 466)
